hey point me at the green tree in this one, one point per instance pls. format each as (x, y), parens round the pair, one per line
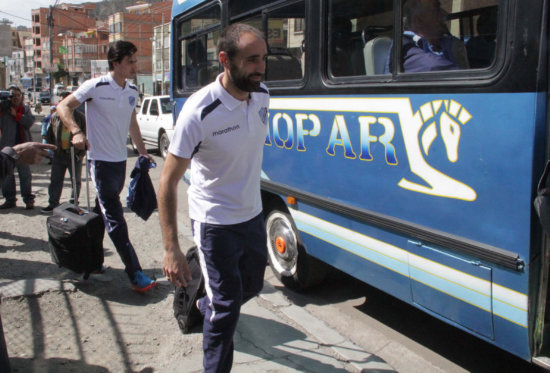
(60, 73)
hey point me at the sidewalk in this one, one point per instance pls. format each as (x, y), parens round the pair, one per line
(55, 321)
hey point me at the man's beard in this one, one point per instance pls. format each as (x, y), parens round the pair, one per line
(243, 82)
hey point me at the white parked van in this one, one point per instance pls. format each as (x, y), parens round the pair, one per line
(156, 122)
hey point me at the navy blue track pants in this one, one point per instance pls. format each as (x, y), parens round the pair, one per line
(108, 178)
(233, 261)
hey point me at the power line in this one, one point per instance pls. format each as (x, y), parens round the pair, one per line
(13, 15)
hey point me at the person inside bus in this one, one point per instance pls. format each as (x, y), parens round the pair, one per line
(427, 44)
(196, 64)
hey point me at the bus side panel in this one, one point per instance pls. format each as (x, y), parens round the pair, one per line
(451, 286)
(460, 164)
(462, 293)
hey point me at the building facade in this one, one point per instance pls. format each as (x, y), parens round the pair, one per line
(137, 25)
(161, 59)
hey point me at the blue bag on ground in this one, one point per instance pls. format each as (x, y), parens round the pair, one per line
(142, 198)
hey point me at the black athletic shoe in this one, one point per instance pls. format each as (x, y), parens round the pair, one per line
(48, 209)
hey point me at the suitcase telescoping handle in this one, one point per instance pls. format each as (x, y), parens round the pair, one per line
(73, 178)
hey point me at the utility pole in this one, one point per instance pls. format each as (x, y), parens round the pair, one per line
(162, 56)
(50, 27)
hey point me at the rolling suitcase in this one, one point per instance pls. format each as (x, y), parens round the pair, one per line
(185, 311)
(75, 235)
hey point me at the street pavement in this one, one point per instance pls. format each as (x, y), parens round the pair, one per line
(273, 335)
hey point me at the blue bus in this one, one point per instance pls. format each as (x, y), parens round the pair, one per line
(414, 174)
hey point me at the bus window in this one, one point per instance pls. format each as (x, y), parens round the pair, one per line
(446, 35)
(197, 38)
(359, 37)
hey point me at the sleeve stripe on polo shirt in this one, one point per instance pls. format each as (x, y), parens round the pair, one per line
(195, 151)
(101, 83)
(210, 108)
(133, 87)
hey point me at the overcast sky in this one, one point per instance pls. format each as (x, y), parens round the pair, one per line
(19, 11)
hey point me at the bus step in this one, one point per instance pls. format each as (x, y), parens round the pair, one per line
(542, 361)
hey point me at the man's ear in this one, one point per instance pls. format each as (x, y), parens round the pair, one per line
(224, 59)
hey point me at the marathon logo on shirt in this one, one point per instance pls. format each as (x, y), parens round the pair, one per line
(263, 115)
(132, 100)
(226, 130)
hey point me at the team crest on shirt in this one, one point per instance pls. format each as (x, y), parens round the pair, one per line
(132, 100)
(263, 115)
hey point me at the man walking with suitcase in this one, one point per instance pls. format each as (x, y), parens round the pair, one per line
(221, 132)
(110, 115)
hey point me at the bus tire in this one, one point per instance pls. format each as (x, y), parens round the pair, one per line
(286, 254)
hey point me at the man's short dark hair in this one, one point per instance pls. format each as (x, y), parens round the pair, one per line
(15, 88)
(118, 50)
(229, 38)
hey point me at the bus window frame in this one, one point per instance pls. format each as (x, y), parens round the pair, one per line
(179, 91)
(399, 79)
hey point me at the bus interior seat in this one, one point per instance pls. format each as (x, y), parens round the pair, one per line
(346, 56)
(283, 66)
(376, 52)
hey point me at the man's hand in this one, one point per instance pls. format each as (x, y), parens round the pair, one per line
(148, 156)
(80, 141)
(175, 267)
(32, 152)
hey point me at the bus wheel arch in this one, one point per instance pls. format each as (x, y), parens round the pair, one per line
(287, 256)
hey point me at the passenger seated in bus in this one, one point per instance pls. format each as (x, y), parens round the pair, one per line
(427, 44)
(481, 48)
(196, 64)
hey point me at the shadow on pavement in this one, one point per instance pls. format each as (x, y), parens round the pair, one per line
(259, 337)
(54, 365)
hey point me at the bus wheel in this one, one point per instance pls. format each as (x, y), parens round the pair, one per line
(287, 257)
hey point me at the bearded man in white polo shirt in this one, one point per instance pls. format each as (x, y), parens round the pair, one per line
(110, 115)
(221, 132)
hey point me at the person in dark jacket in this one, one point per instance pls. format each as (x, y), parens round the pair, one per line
(15, 123)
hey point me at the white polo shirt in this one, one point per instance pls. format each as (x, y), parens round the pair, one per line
(224, 138)
(108, 116)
